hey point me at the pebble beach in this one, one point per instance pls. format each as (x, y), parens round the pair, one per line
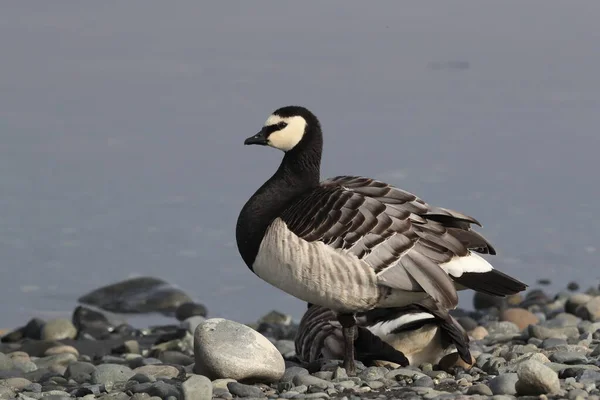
(531, 345)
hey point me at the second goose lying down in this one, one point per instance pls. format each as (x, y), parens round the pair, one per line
(421, 333)
(352, 244)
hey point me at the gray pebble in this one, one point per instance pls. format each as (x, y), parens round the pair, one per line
(80, 371)
(481, 389)
(553, 342)
(373, 373)
(504, 384)
(291, 372)
(197, 387)
(6, 364)
(327, 375)
(318, 395)
(536, 378)
(140, 396)
(289, 394)
(424, 381)
(58, 329)
(541, 332)
(404, 372)
(6, 393)
(241, 390)
(588, 376)
(111, 373)
(310, 380)
(113, 396)
(63, 359)
(568, 357)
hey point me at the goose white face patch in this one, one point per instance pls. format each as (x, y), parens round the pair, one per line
(289, 136)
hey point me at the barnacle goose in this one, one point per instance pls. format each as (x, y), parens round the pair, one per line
(352, 244)
(415, 334)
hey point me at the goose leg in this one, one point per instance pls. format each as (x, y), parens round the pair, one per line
(349, 331)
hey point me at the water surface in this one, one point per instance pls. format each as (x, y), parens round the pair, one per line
(121, 130)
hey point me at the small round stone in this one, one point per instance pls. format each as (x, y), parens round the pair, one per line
(520, 317)
(197, 387)
(536, 378)
(58, 329)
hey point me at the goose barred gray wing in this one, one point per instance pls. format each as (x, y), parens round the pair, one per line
(398, 234)
(401, 237)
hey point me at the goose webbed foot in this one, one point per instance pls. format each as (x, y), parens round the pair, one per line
(349, 330)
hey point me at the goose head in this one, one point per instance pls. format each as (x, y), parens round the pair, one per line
(287, 128)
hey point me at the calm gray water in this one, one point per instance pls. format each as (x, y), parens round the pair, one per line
(121, 130)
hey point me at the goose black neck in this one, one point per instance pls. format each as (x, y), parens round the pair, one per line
(298, 174)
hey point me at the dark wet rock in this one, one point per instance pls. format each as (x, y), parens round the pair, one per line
(535, 378)
(573, 286)
(536, 297)
(137, 295)
(58, 329)
(480, 389)
(142, 378)
(467, 323)
(227, 349)
(241, 390)
(544, 281)
(590, 311)
(95, 323)
(576, 300)
(80, 371)
(159, 389)
(32, 330)
(291, 372)
(197, 387)
(568, 357)
(482, 301)
(190, 309)
(141, 361)
(175, 357)
(553, 342)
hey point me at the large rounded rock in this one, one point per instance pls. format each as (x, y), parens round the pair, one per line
(138, 295)
(535, 378)
(227, 349)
